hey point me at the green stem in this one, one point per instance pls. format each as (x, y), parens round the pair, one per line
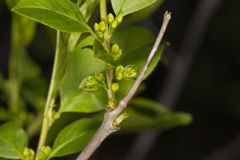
(15, 60)
(52, 93)
(109, 70)
(103, 10)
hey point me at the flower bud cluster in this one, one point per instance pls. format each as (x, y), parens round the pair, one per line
(92, 83)
(111, 24)
(126, 73)
(100, 29)
(116, 52)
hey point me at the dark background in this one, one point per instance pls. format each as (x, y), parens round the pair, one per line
(199, 74)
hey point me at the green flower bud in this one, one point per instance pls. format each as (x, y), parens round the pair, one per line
(114, 24)
(110, 18)
(115, 87)
(89, 84)
(46, 150)
(44, 153)
(27, 158)
(96, 27)
(119, 69)
(32, 153)
(100, 34)
(119, 72)
(115, 48)
(118, 55)
(99, 77)
(129, 73)
(41, 156)
(120, 119)
(28, 154)
(119, 18)
(26, 151)
(102, 26)
(56, 115)
(119, 76)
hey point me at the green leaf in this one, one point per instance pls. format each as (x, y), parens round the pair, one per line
(137, 48)
(65, 119)
(144, 13)
(135, 51)
(74, 137)
(11, 3)
(88, 7)
(13, 140)
(102, 54)
(129, 6)
(61, 15)
(145, 113)
(82, 63)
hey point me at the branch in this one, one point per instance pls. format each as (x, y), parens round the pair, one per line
(178, 71)
(107, 126)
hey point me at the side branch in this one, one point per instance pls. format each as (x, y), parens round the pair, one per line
(107, 126)
(123, 103)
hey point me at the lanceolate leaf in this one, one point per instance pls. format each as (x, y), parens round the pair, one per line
(11, 3)
(82, 63)
(145, 113)
(13, 140)
(128, 6)
(74, 137)
(61, 15)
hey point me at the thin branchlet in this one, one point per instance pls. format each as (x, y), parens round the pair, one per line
(110, 116)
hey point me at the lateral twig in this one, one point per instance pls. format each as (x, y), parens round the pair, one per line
(107, 126)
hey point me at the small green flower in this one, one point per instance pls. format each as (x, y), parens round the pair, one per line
(115, 87)
(26, 151)
(56, 115)
(100, 34)
(89, 84)
(110, 18)
(96, 27)
(118, 55)
(102, 26)
(129, 73)
(99, 77)
(120, 119)
(44, 153)
(28, 154)
(119, 76)
(46, 150)
(119, 72)
(119, 18)
(114, 24)
(115, 49)
(120, 69)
